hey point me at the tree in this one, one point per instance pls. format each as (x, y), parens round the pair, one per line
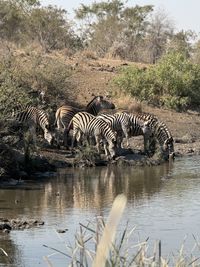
(111, 26)
(159, 32)
(135, 23)
(50, 27)
(102, 24)
(181, 42)
(12, 21)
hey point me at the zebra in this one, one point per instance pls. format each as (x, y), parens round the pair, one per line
(142, 124)
(65, 113)
(165, 140)
(120, 123)
(156, 130)
(33, 117)
(89, 125)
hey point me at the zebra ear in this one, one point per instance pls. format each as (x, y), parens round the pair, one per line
(98, 98)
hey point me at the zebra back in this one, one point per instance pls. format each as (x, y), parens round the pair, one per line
(65, 113)
(91, 125)
(80, 121)
(120, 123)
(32, 117)
(26, 114)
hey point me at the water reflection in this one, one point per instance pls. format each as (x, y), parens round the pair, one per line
(94, 188)
(90, 188)
(162, 200)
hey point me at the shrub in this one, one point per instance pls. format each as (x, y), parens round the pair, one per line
(23, 77)
(174, 82)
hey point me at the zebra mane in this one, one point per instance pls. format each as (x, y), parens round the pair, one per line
(89, 104)
(147, 116)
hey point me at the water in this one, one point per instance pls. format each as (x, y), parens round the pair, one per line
(163, 204)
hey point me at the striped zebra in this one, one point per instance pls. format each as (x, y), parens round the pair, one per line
(165, 139)
(33, 117)
(91, 126)
(120, 123)
(156, 130)
(142, 124)
(65, 113)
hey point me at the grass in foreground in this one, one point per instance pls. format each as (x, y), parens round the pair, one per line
(98, 244)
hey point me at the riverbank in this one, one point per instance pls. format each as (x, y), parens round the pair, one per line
(94, 77)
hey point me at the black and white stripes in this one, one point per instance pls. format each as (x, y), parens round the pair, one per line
(89, 125)
(65, 113)
(33, 117)
(107, 128)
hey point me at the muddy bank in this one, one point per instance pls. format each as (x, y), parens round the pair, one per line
(17, 163)
(129, 157)
(6, 225)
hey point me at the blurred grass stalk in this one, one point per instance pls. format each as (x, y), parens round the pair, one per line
(109, 231)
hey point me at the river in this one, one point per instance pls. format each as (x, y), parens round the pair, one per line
(163, 203)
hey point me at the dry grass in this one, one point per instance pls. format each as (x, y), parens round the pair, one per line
(125, 102)
(97, 245)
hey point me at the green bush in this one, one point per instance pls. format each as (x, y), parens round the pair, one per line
(173, 82)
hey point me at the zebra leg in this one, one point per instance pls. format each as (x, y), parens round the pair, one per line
(98, 139)
(65, 138)
(74, 137)
(145, 144)
(105, 146)
(48, 136)
(112, 149)
(119, 141)
(32, 130)
(125, 130)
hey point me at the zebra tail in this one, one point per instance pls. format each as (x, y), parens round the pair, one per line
(70, 126)
(57, 118)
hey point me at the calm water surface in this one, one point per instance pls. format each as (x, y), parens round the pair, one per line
(163, 204)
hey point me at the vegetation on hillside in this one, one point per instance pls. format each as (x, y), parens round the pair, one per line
(173, 82)
(23, 77)
(108, 29)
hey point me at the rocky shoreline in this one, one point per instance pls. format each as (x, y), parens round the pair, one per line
(6, 225)
(13, 162)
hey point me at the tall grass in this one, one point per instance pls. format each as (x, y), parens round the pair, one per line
(98, 244)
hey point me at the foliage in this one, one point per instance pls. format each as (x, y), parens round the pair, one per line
(110, 22)
(24, 77)
(10, 92)
(24, 21)
(51, 28)
(174, 82)
(134, 33)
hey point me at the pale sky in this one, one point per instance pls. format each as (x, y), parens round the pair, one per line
(184, 13)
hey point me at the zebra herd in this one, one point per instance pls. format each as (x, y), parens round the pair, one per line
(106, 129)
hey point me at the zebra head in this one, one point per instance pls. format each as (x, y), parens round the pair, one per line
(146, 128)
(168, 147)
(48, 136)
(98, 103)
(104, 103)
